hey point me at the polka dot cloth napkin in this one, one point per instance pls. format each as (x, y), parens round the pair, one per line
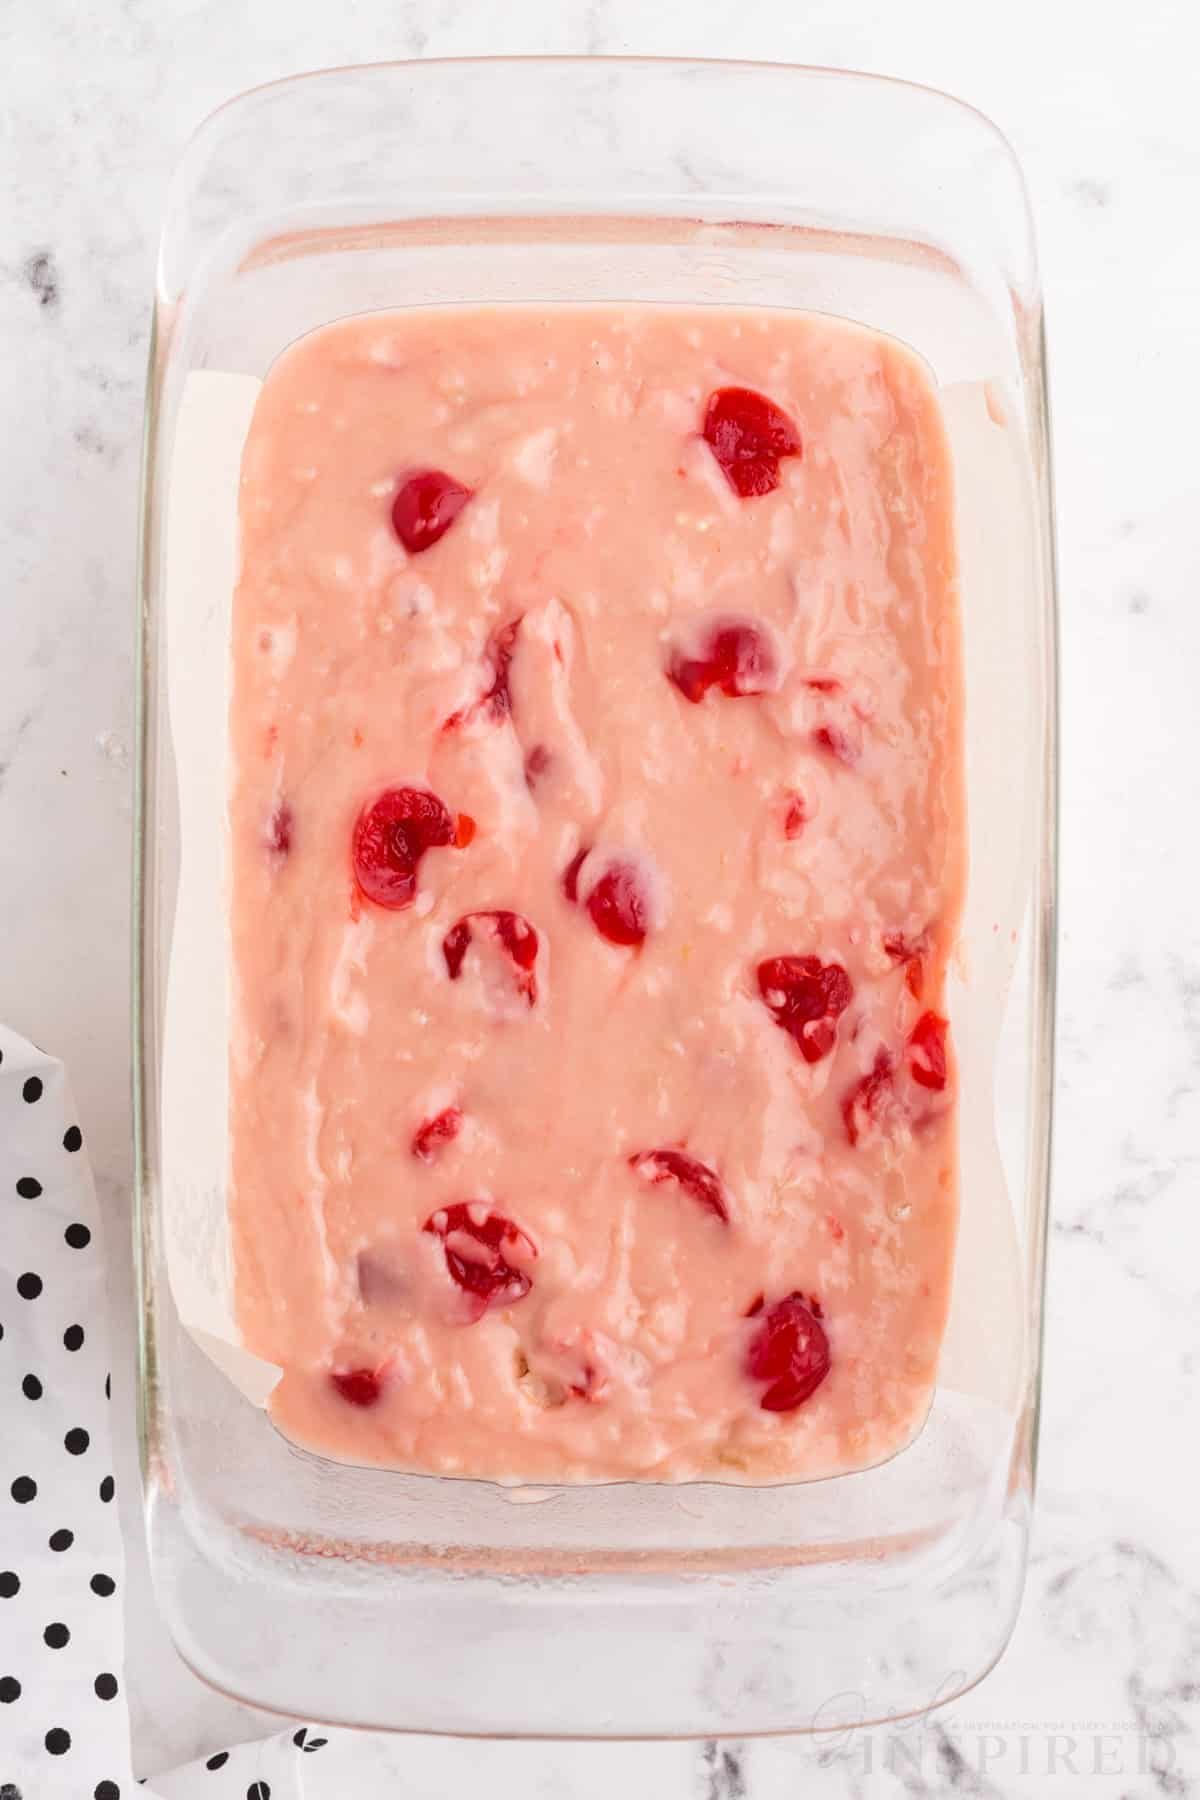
(61, 1731)
(64, 1732)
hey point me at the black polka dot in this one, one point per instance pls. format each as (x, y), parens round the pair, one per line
(10, 1584)
(56, 1636)
(29, 1187)
(62, 1540)
(106, 1790)
(31, 1387)
(1, 1334)
(32, 1089)
(73, 1337)
(104, 1585)
(29, 1285)
(259, 1790)
(106, 1687)
(58, 1741)
(107, 1489)
(23, 1489)
(72, 1138)
(78, 1236)
(76, 1441)
(10, 1689)
(218, 1761)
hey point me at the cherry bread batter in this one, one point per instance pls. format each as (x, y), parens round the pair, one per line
(598, 848)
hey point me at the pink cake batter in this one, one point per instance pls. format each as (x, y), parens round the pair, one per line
(598, 849)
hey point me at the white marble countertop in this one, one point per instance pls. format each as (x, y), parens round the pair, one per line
(97, 99)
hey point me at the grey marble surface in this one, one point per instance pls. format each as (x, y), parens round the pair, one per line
(1099, 1694)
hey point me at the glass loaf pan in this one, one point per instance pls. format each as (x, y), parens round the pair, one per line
(407, 1602)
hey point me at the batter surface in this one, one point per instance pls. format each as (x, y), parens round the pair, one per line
(598, 847)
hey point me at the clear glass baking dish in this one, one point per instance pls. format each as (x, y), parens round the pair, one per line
(405, 1602)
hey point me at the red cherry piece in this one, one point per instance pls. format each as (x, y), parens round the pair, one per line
(806, 997)
(496, 700)
(512, 931)
(279, 830)
(570, 880)
(454, 948)
(617, 905)
(865, 1102)
(835, 743)
(693, 1176)
(790, 1352)
(910, 951)
(477, 1251)
(360, 1387)
(927, 1051)
(442, 1129)
(391, 836)
(748, 434)
(735, 657)
(464, 831)
(426, 505)
(795, 816)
